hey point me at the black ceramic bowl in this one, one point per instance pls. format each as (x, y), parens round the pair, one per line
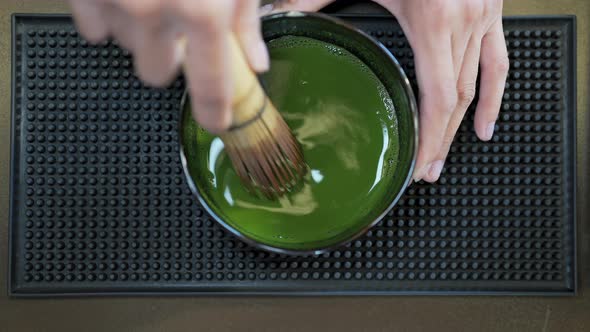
(388, 71)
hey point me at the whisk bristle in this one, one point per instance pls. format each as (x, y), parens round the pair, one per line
(265, 153)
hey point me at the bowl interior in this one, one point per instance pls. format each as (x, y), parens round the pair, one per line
(376, 57)
(389, 73)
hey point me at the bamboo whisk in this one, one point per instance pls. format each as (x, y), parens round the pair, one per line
(263, 150)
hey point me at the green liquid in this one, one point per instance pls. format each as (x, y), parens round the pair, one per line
(346, 123)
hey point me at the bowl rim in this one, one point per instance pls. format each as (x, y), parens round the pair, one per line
(413, 109)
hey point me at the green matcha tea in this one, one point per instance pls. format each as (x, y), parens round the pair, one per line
(345, 121)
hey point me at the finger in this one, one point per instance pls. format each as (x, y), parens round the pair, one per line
(206, 67)
(89, 19)
(459, 45)
(494, 70)
(465, 94)
(122, 26)
(247, 28)
(150, 37)
(438, 98)
(157, 54)
(471, 14)
(298, 5)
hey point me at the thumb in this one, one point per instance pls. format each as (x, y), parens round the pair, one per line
(298, 5)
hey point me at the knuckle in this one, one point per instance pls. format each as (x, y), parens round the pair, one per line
(465, 94)
(437, 11)
(473, 11)
(447, 97)
(501, 65)
(439, 6)
(441, 11)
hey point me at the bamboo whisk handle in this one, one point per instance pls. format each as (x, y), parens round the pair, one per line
(248, 96)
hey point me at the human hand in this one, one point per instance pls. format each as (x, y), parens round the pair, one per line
(151, 29)
(450, 40)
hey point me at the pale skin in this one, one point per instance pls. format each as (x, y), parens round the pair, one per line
(452, 41)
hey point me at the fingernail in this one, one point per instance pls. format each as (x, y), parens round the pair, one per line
(265, 9)
(261, 61)
(490, 130)
(436, 169)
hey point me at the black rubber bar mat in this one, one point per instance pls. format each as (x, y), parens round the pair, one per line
(99, 204)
